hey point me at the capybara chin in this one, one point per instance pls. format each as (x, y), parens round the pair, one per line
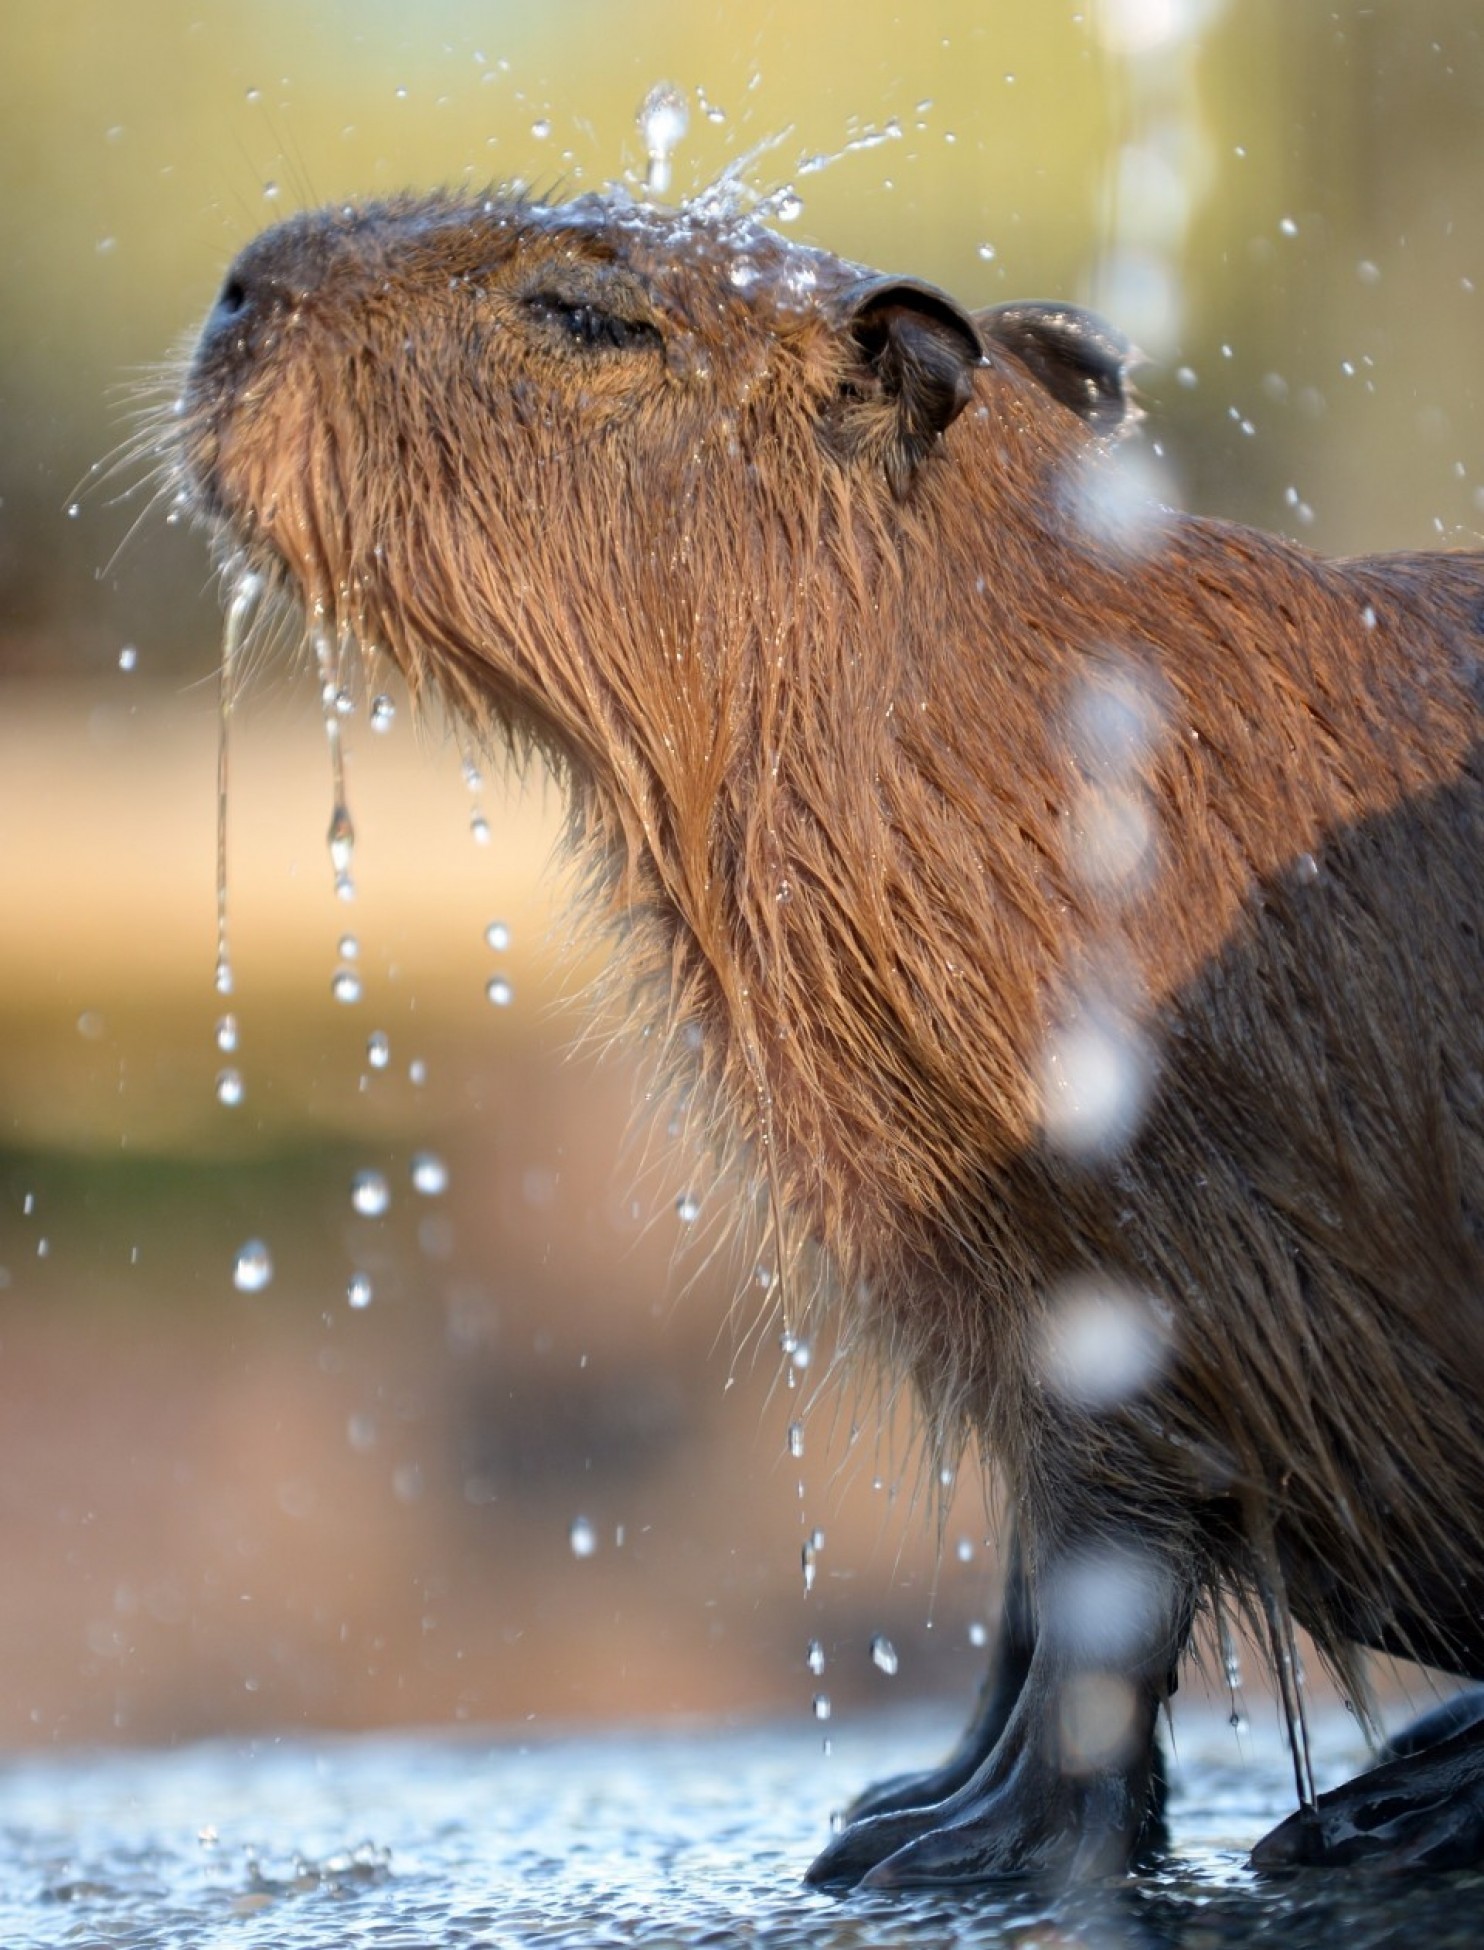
(1071, 906)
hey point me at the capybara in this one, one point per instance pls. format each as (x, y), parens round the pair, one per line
(1069, 909)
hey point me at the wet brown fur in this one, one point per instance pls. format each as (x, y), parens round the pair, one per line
(810, 679)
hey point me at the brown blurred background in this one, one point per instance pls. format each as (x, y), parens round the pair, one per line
(224, 1510)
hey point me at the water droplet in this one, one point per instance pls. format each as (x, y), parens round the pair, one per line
(344, 702)
(417, 1072)
(1289, 226)
(253, 1269)
(378, 1049)
(664, 117)
(541, 128)
(884, 1655)
(226, 1034)
(73, 511)
(223, 976)
(128, 657)
(479, 828)
(1306, 869)
(978, 1634)
(821, 1706)
(807, 1556)
(358, 1290)
(964, 1550)
(800, 1356)
(499, 991)
(497, 936)
(342, 840)
(345, 985)
(582, 1537)
(687, 1208)
(988, 252)
(814, 1657)
(429, 1174)
(370, 1194)
(383, 712)
(796, 1439)
(1101, 1343)
(229, 1088)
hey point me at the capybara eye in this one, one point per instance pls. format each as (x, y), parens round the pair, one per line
(590, 326)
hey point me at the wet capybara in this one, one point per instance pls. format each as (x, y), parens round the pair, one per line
(1069, 907)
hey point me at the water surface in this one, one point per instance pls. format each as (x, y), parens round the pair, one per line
(688, 1838)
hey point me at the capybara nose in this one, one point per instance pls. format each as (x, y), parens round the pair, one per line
(272, 276)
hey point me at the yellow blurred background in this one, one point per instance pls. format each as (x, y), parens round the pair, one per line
(224, 1510)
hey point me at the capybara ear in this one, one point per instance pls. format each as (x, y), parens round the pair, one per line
(1078, 357)
(918, 351)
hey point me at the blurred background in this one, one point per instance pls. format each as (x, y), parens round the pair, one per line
(506, 1450)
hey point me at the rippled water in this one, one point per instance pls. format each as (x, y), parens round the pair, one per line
(678, 1839)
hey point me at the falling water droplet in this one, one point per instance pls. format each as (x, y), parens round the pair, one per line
(821, 1706)
(687, 1208)
(253, 1269)
(383, 712)
(370, 1194)
(128, 657)
(342, 840)
(814, 1657)
(796, 1439)
(226, 1034)
(664, 116)
(884, 1655)
(807, 1556)
(479, 828)
(245, 593)
(499, 991)
(582, 1537)
(229, 1088)
(497, 936)
(429, 1174)
(358, 1290)
(378, 1049)
(345, 985)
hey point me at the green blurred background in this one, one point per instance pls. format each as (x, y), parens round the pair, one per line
(224, 1510)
